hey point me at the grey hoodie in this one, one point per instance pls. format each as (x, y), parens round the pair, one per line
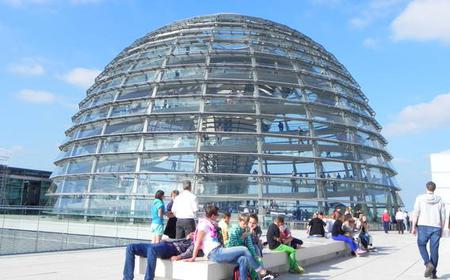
(429, 210)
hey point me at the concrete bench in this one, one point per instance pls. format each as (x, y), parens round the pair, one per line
(312, 252)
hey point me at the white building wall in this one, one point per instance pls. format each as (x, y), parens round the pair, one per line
(440, 174)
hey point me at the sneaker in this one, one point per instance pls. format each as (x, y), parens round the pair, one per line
(268, 276)
(360, 251)
(434, 276)
(297, 270)
(429, 267)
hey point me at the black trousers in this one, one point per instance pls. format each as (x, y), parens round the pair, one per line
(184, 227)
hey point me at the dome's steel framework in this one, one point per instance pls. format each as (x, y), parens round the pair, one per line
(251, 111)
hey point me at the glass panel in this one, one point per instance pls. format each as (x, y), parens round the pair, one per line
(230, 73)
(273, 107)
(237, 124)
(168, 163)
(148, 63)
(75, 185)
(330, 131)
(228, 143)
(277, 76)
(227, 185)
(96, 114)
(141, 78)
(103, 98)
(229, 104)
(60, 169)
(191, 49)
(317, 82)
(130, 109)
(112, 184)
(85, 148)
(287, 93)
(109, 206)
(176, 105)
(175, 142)
(90, 130)
(321, 97)
(184, 73)
(70, 205)
(326, 115)
(120, 144)
(186, 59)
(177, 90)
(116, 164)
(273, 62)
(132, 94)
(222, 163)
(184, 123)
(149, 184)
(230, 89)
(287, 146)
(80, 166)
(227, 45)
(271, 50)
(125, 127)
(230, 59)
(280, 124)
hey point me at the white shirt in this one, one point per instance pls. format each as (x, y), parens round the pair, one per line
(399, 215)
(211, 239)
(429, 210)
(185, 205)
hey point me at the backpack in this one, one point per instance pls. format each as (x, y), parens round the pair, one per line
(236, 275)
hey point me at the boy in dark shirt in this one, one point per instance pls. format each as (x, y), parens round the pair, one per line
(274, 241)
(316, 226)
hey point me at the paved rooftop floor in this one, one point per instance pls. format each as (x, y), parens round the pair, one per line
(397, 258)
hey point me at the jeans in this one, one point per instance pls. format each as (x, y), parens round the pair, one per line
(364, 237)
(432, 234)
(350, 242)
(291, 255)
(184, 227)
(240, 255)
(151, 252)
(386, 226)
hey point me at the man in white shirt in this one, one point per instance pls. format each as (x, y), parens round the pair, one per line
(185, 207)
(428, 222)
(399, 218)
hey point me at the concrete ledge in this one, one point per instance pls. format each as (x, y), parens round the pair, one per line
(313, 251)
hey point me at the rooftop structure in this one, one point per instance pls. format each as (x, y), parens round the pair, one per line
(255, 113)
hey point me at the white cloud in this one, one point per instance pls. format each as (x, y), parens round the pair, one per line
(374, 10)
(27, 69)
(81, 77)
(36, 96)
(370, 43)
(421, 117)
(423, 20)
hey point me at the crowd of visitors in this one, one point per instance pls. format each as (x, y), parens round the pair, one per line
(241, 243)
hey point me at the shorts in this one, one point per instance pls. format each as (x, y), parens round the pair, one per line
(156, 229)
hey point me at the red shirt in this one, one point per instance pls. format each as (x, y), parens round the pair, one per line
(385, 217)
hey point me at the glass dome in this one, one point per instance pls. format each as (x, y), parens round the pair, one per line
(256, 114)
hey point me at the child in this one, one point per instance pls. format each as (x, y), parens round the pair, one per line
(275, 243)
(224, 225)
(288, 239)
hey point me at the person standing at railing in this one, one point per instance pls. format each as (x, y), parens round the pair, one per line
(185, 207)
(157, 226)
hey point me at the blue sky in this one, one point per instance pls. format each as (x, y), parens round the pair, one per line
(397, 50)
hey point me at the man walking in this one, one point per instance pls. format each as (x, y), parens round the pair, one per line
(185, 206)
(399, 218)
(428, 222)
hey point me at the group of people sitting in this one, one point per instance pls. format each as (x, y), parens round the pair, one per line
(242, 246)
(347, 227)
(238, 244)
